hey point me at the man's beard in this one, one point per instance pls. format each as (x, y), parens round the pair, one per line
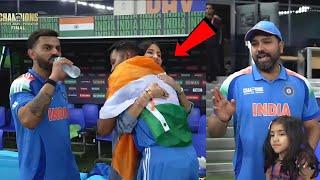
(209, 16)
(44, 64)
(267, 66)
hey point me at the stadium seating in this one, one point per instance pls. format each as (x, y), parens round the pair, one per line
(91, 115)
(70, 105)
(9, 122)
(2, 116)
(1, 139)
(76, 116)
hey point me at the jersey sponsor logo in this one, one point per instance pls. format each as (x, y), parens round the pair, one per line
(252, 90)
(55, 114)
(270, 109)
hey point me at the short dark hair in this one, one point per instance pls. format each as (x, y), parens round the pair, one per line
(145, 45)
(33, 38)
(210, 4)
(124, 46)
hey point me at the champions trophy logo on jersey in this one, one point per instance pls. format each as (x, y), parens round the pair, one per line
(288, 91)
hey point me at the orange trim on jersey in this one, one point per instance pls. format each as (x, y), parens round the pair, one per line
(292, 73)
(247, 70)
(28, 76)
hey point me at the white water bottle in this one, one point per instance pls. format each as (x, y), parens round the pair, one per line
(71, 70)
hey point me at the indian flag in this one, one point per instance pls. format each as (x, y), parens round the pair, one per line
(167, 121)
(76, 26)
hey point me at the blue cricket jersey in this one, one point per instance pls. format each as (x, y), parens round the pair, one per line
(45, 151)
(258, 102)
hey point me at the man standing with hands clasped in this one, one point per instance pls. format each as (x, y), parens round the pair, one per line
(214, 46)
(256, 95)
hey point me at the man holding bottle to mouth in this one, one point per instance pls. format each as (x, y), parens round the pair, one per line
(38, 102)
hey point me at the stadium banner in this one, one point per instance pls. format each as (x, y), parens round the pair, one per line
(16, 25)
(20, 25)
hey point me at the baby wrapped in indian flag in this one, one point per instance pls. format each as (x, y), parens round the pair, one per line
(161, 134)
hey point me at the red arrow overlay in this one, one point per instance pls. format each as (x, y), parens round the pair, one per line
(202, 32)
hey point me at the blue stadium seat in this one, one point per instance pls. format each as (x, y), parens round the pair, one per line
(1, 139)
(76, 116)
(70, 105)
(2, 116)
(9, 126)
(91, 114)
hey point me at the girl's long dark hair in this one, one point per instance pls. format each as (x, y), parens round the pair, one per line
(145, 45)
(299, 150)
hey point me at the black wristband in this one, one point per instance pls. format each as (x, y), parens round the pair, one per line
(52, 82)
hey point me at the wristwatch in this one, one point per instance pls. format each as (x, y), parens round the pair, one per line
(149, 92)
(180, 91)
